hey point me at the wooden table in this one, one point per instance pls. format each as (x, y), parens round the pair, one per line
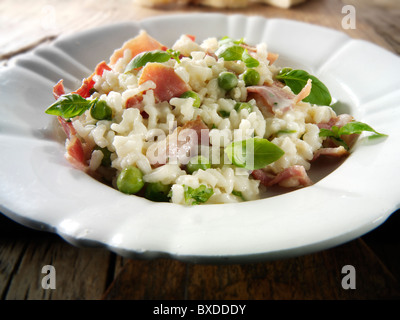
(92, 273)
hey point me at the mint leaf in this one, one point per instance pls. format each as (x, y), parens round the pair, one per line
(70, 105)
(143, 58)
(296, 80)
(253, 153)
(198, 195)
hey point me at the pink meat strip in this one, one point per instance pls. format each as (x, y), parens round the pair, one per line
(296, 174)
(272, 99)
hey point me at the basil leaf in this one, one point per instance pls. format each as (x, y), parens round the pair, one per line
(253, 153)
(296, 80)
(141, 59)
(353, 127)
(226, 40)
(230, 52)
(198, 195)
(70, 105)
(238, 194)
(249, 60)
(356, 127)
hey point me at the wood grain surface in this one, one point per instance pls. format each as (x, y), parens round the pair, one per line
(96, 274)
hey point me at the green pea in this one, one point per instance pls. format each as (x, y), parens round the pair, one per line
(243, 105)
(251, 77)
(101, 111)
(227, 80)
(194, 95)
(197, 163)
(130, 180)
(157, 192)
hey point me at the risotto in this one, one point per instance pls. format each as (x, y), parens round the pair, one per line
(209, 122)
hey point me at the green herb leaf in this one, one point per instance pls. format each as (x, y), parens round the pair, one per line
(353, 127)
(70, 105)
(286, 131)
(226, 40)
(141, 59)
(249, 60)
(253, 153)
(198, 195)
(174, 54)
(296, 81)
(356, 127)
(238, 194)
(230, 52)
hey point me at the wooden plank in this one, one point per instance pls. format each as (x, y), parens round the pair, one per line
(80, 273)
(314, 276)
(148, 280)
(26, 27)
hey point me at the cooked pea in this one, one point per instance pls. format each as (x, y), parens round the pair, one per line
(251, 77)
(197, 163)
(243, 105)
(157, 192)
(194, 95)
(227, 80)
(101, 111)
(130, 180)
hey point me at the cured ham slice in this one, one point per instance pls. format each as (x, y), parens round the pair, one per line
(76, 153)
(141, 43)
(180, 145)
(168, 83)
(294, 176)
(273, 99)
(88, 83)
(333, 152)
(338, 121)
(271, 57)
(58, 89)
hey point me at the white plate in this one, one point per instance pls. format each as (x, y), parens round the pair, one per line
(40, 189)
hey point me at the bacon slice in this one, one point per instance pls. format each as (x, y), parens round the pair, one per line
(168, 83)
(294, 176)
(141, 43)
